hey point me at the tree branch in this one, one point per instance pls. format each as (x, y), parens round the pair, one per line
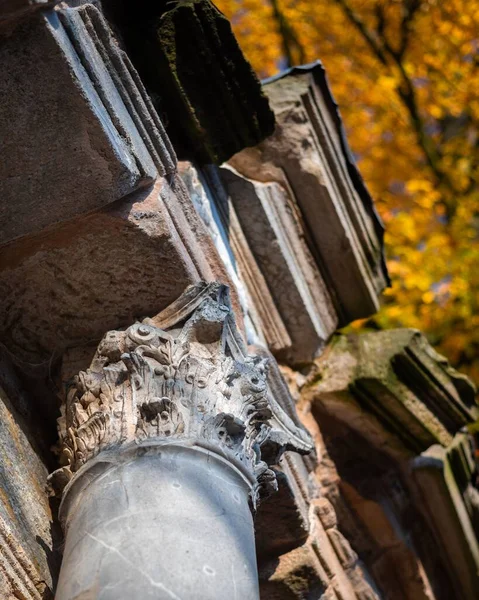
(364, 31)
(409, 9)
(289, 39)
(386, 54)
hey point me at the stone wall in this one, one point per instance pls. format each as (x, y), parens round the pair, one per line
(395, 462)
(103, 230)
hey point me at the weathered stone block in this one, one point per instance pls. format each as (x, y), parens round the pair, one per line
(273, 231)
(259, 236)
(103, 270)
(448, 516)
(263, 322)
(279, 522)
(78, 129)
(282, 521)
(28, 558)
(382, 399)
(240, 267)
(325, 567)
(188, 56)
(309, 157)
(392, 385)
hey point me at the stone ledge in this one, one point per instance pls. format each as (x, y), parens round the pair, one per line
(389, 408)
(391, 385)
(192, 65)
(96, 135)
(309, 157)
(103, 270)
(443, 492)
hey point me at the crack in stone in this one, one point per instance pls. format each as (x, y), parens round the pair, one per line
(234, 580)
(154, 583)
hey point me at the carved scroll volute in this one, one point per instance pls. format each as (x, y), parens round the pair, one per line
(185, 375)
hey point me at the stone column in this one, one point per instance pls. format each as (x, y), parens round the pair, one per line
(167, 442)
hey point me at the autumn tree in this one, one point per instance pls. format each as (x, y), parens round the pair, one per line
(406, 76)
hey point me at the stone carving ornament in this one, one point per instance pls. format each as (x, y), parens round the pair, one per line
(186, 376)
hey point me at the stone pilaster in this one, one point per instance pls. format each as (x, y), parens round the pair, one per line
(395, 462)
(444, 477)
(168, 438)
(307, 164)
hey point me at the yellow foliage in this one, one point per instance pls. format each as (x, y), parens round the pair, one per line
(405, 74)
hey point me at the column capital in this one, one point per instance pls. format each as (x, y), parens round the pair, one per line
(183, 376)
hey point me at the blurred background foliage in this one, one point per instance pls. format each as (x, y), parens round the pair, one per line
(405, 74)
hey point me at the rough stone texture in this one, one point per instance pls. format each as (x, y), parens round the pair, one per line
(446, 495)
(28, 559)
(104, 270)
(293, 213)
(78, 129)
(308, 156)
(199, 244)
(173, 426)
(324, 566)
(393, 389)
(217, 211)
(189, 377)
(388, 408)
(13, 12)
(129, 260)
(205, 215)
(375, 511)
(282, 521)
(260, 237)
(192, 64)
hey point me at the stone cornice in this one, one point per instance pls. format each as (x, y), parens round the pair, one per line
(309, 157)
(393, 385)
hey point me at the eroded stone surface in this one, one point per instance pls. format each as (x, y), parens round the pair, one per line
(78, 129)
(262, 319)
(381, 400)
(325, 565)
(192, 64)
(175, 427)
(377, 512)
(183, 375)
(275, 235)
(445, 495)
(309, 158)
(29, 561)
(63, 289)
(173, 400)
(393, 389)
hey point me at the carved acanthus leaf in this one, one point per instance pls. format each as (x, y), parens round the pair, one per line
(184, 375)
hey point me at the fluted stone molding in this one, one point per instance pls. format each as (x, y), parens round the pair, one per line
(90, 108)
(172, 401)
